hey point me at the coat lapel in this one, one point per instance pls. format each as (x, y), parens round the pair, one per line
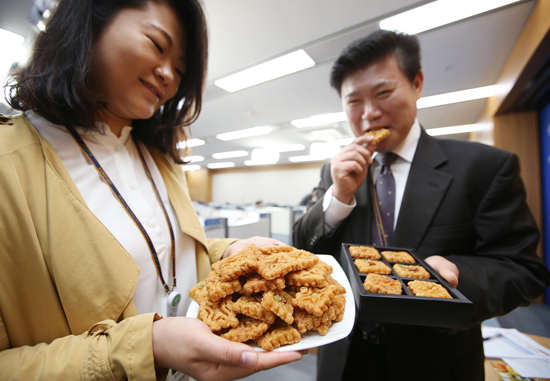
(94, 276)
(426, 186)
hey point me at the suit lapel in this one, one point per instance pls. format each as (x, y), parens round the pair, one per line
(426, 186)
(359, 220)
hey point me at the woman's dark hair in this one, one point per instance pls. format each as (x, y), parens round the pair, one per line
(374, 48)
(57, 81)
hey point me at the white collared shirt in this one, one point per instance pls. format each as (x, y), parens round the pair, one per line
(335, 211)
(119, 157)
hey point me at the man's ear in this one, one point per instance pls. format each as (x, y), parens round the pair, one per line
(418, 82)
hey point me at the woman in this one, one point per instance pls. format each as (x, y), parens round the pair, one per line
(96, 223)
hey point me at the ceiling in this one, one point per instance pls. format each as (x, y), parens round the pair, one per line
(466, 54)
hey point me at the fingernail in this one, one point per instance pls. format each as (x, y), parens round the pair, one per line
(248, 359)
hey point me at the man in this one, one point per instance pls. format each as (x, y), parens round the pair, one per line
(459, 205)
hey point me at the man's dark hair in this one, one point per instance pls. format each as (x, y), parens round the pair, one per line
(374, 48)
(57, 81)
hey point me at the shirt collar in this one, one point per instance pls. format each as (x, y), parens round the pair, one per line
(103, 136)
(406, 149)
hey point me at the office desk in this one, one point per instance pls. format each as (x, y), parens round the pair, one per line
(491, 375)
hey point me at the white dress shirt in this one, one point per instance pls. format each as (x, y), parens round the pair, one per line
(335, 211)
(120, 159)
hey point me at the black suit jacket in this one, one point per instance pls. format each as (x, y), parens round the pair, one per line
(464, 201)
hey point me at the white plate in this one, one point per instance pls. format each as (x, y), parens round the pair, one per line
(312, 339)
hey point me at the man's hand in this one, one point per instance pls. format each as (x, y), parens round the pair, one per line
(188, 345)
(445, 268)
(242, 243)
(350, 166)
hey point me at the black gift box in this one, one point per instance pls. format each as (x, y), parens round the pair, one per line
(406, 308)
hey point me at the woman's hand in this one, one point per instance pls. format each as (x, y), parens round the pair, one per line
(242, 243)
(188, 346)
(445, 268)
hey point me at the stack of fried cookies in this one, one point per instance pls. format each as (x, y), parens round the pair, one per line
(270, 295)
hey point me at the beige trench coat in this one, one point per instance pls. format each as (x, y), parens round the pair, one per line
(66, 284)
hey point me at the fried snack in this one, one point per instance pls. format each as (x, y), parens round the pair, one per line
(369, 266)
(218, 315)
(274, 249)
(364, 252)
(315, 300)
(313, 277)
(410, 271)
(398, 256)
(341, 290)
(280, 303)
(252, 307)
(255, 284)
(219, 289)
(199, 292)
(278, 335)
(277, 265)
(431, 289)
(381, 284)
(248, 329)
(241, 263)
(379, 135)
(305, 321)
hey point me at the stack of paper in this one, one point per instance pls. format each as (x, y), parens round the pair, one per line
(523, 354)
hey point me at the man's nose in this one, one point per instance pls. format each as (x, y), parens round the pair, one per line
(371, 111)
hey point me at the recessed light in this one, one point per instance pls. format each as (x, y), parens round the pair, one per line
(246, 133)
(229, 154)
(457, 96)
(278, 67)
(227, 164)
(439, 13)
(187, 168)
(458, 129)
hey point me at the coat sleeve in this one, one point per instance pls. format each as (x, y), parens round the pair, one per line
(107, 351)
(503, 270)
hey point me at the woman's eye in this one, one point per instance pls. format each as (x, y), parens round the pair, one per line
(180, 73)
(158, 46)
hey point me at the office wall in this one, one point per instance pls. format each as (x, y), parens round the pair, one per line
(285, 185)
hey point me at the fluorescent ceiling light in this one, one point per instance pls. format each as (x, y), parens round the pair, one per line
(457, 96)
(194, 159)
(11, 44)
(229, 154)
(187, 168)
(439, 13)
(320, 120)
(227, 164)
(278, 67)
(299, 159)
(326, 150)
(264, 155)
(342, 142)
(458, 129)
(246, 133)
(190, 143)
(288, 148)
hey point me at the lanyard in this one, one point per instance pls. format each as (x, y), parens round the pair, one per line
(126, 207)
(377, 214)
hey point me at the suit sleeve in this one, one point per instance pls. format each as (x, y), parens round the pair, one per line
(503, 270)
(308, 232)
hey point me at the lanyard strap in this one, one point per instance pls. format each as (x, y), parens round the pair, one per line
(126, 207)
(377, 214)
